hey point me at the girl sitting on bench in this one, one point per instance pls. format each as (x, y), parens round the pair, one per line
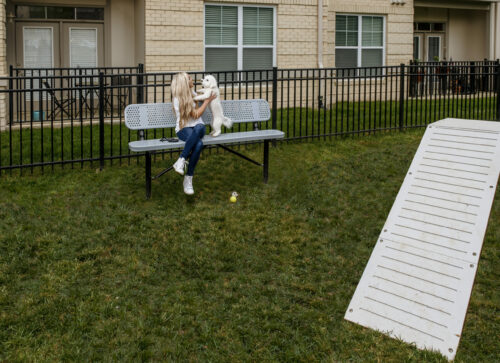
(189, 126)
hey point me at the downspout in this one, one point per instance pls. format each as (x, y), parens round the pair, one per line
(493, 34)
(320, 33)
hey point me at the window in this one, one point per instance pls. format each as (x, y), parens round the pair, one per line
(90, 13)
(359, 42)
(424, 27)
(427, 27)
(438, 27)
(416, 48)
(33, 12)
(434, 49)
(239, 38)
(83, 47)
(38, 52)
(59, 12)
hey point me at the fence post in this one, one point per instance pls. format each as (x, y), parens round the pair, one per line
(275, 101)
(484, 75)
(498, 88)
(11, 94)
(472, 78)
(401, 96)
(101, 119)
(411, 80)
(140, 83)
(140, 92)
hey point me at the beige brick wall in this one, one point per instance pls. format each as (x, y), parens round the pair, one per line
(3, 65)
(297, 34)
(174, 31)
(174, 35)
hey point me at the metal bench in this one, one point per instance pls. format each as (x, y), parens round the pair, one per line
(161, 115)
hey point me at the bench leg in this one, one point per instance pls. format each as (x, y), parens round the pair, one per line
(148, 175)
(266, 160)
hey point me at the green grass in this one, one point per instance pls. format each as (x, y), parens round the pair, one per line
(91, 271)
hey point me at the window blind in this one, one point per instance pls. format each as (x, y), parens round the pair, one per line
(373, 31)
(257, 58)
(346, 31)
(83, 47)
(38, 48)
(257, 26)
(221, 25)
(38, 53)
(345, 58)
(371, 58)
(221, 59)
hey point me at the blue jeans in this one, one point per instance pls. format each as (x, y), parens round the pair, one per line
(192, 137)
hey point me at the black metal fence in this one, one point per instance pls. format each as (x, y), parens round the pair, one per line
(445, 77)
(75, 116)
(50, 93)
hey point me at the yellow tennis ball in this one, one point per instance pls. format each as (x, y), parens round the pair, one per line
(232, 199)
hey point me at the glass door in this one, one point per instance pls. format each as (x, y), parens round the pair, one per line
(83, 52)
(82, 45)
(37, 48)
(434, 48)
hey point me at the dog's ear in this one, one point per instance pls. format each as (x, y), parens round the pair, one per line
(211, 81)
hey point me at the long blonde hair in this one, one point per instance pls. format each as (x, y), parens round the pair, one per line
(181, 91)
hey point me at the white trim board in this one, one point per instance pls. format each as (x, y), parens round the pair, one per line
(417, 283)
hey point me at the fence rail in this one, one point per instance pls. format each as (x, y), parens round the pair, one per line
(70, 116)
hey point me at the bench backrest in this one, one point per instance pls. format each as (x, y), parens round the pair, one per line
(161, 115)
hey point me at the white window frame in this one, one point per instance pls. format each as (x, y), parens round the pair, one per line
(240, 45)
(360, 46)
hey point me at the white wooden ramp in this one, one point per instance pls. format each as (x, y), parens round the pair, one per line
(418, 281)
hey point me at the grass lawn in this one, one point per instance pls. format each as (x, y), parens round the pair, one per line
(90, 270)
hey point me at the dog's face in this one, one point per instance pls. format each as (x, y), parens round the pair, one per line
(209, 82)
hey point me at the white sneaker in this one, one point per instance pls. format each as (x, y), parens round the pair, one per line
(179, 165)
(188, 185)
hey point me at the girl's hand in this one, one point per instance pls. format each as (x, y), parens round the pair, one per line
(199, 111)
(212, 97)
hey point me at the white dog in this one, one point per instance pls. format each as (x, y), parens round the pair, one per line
(218, 119)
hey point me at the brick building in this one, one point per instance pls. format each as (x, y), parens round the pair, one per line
(198, 35)
(168, 35)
